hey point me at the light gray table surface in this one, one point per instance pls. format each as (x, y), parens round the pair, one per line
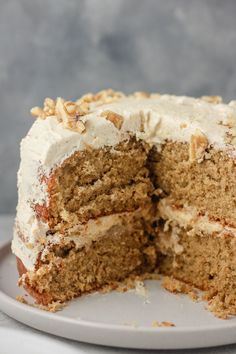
(55, 344)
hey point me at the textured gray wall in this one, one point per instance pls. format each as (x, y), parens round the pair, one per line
(68, 47)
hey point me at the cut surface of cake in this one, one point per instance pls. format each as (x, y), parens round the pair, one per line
(112, 186)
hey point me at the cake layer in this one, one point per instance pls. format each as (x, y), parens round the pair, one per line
(99, 182)
(67, 271)
(200, 252)
(208, 185)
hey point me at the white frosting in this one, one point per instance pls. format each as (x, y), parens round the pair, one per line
(48, 144)
(188, 217)
(81, 235)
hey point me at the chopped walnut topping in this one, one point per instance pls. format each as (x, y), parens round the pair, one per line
(47, 110)
(38, 112)
(80, 127)
(60, 110)
(49, 107)
(70, 107)
(81, 108)
(89, 97)
(141, 94)
(68, 113)
(198, 145)
(212, 99)
(107, 96)
(113, 117)
(49, 102)
(183, 125)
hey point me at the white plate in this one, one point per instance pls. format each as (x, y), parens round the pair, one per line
(120, 319)
(21, 341)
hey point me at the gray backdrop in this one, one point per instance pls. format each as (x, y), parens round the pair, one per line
(68, 47)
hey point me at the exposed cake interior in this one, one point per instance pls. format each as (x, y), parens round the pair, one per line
(99, 182)
(200, 252)
(208, 185)
(141, 203)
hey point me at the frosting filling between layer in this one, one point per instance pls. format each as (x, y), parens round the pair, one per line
(81, 235)
(188, 217)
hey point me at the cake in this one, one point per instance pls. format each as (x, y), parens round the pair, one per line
(113, 185)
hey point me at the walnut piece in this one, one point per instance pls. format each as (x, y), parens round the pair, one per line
(183, 125)
(38, 112)
(47, 110)
(49, 106)
(141, 94)
(197, 147)
(108, 96)
(212, 99)
(68, 113)
(113, 117)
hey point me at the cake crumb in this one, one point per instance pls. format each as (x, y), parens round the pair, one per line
(21, 299)
(216, 305)
(52, 307)
(179, 287)
(162, 324)
(129, 283)
(140, 288)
